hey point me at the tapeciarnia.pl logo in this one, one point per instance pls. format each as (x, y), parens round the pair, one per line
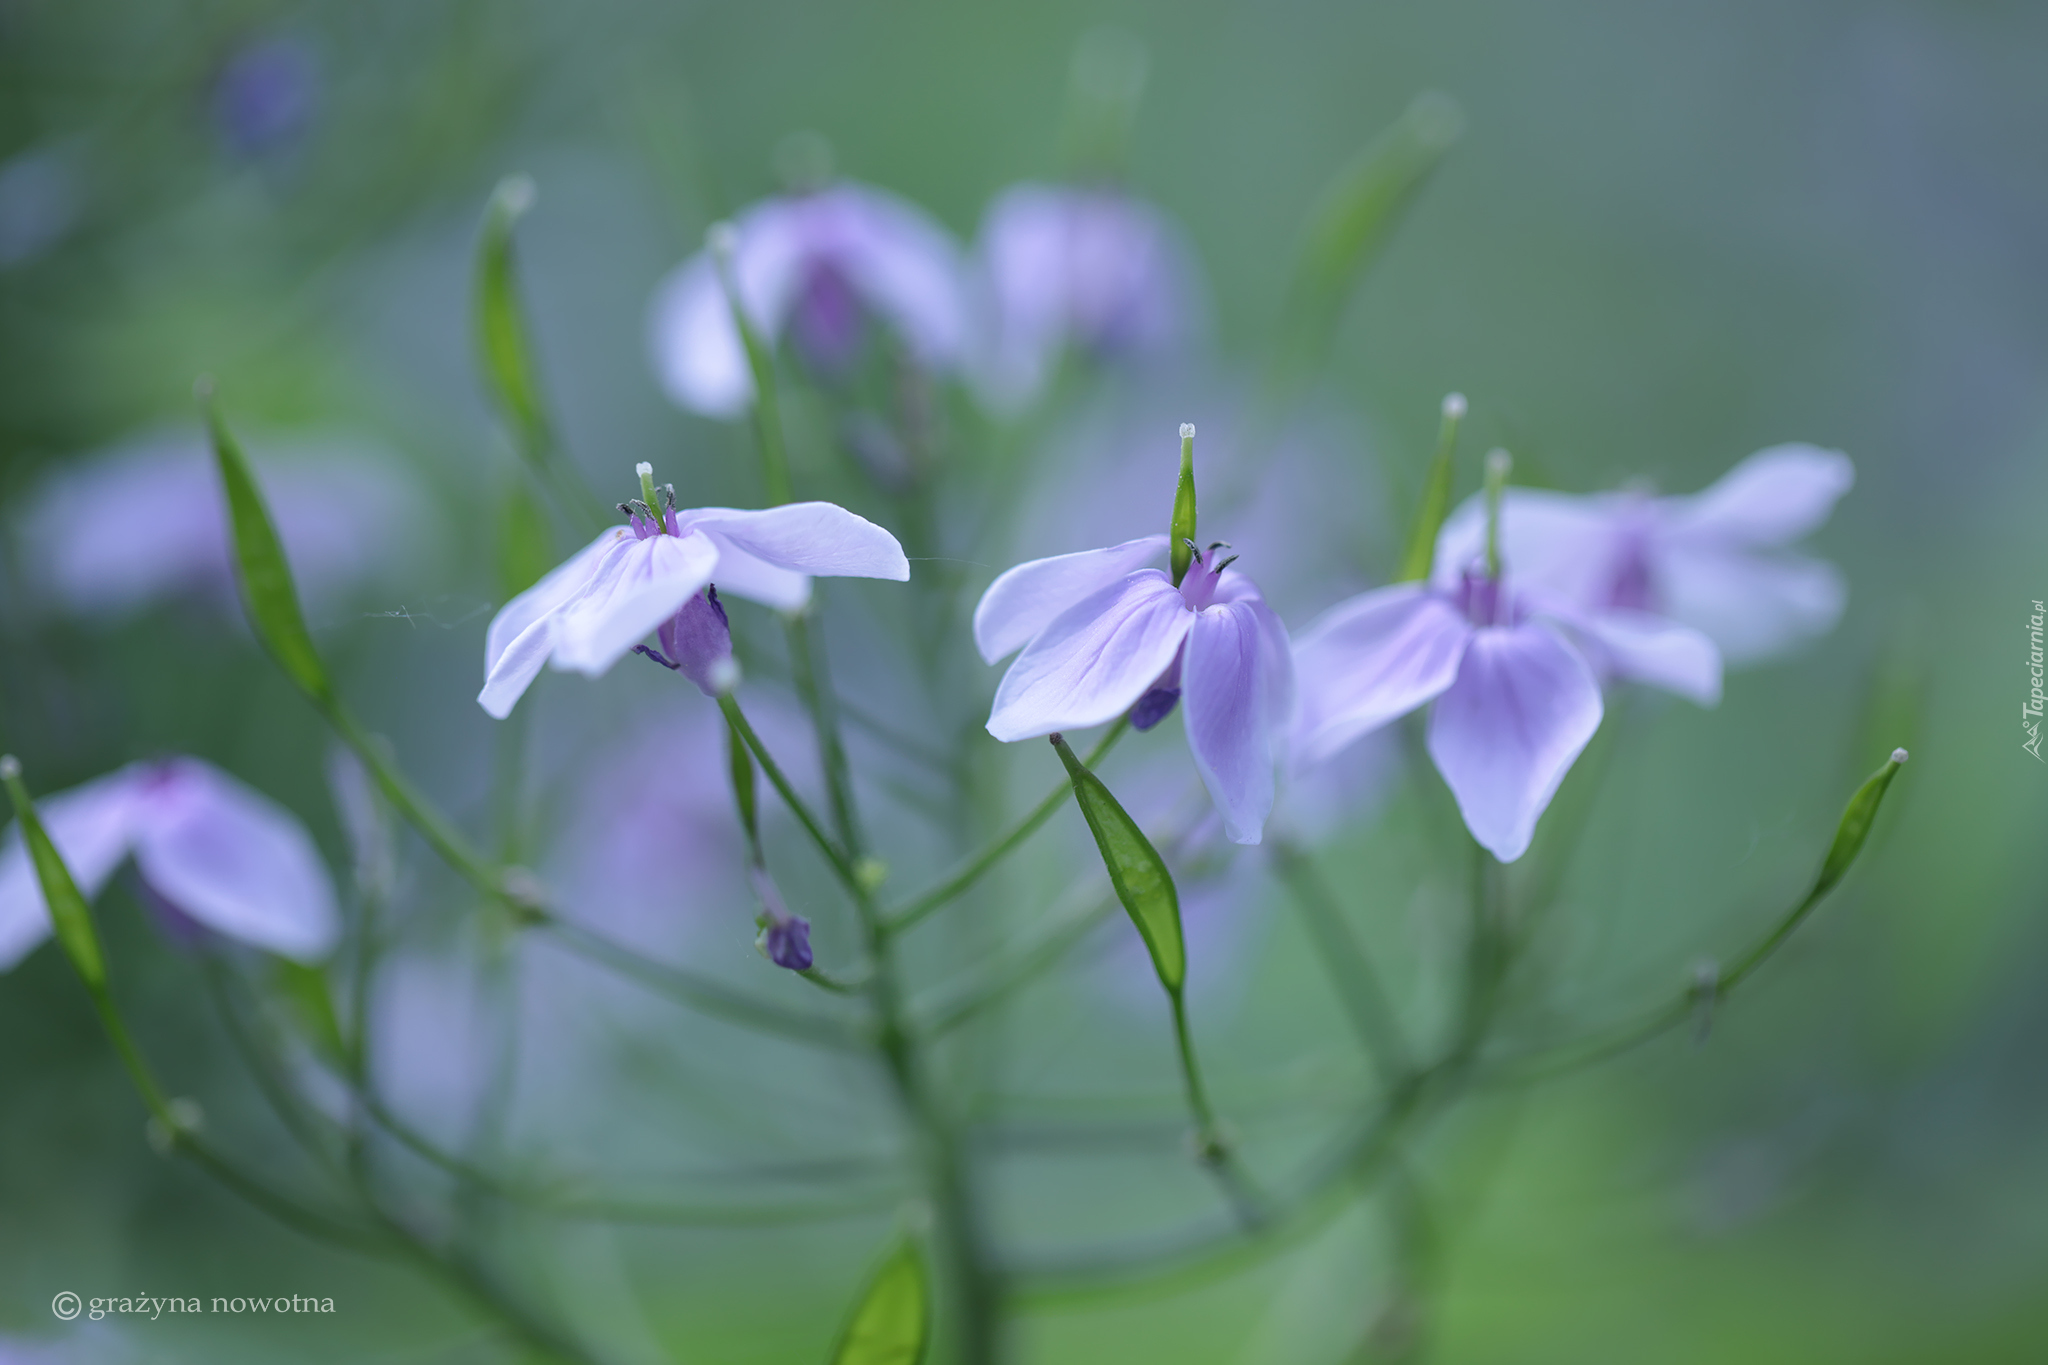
(2030, 713)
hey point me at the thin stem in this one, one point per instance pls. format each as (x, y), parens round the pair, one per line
(1211, 1146)
(841, 864)
(1351, 973)
(895, 922)
(453, 847)
(814, 688)
(703, 993)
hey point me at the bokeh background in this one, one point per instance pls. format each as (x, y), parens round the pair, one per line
(1668, 236)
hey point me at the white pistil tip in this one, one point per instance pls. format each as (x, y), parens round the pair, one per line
(1187, 431)
(10, 768)
(1498, 463)
(723, 238)
(1899, 755)
(644, 470)
(1454, 406)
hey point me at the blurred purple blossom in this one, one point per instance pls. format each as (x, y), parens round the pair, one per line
(1717, 560)
(817, 265)
(213, 852)
(1090, 268)
(344, 512)
(267, 94)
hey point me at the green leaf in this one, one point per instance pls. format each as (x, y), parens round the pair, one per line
(304, 989)
(892, 1322)
(525, 545)
(1181, 533)
(1356, 216)
(1855, 826)
(265, 576)
(1136, 870)
(501, 342)
(69, 913)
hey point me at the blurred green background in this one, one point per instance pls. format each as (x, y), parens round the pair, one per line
(1670, 235)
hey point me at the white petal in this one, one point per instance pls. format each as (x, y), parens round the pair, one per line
(1752, 604)
(1371, 659)
(1650, 649)
(517, 667)
(560, 584)
(743, 575)
(1094, 661)
(1774, 497)
(235, 861)
(810, 537)
(1025, 599)
(638, 585)
(1228, 691)
(1506, 732)
(92, 826)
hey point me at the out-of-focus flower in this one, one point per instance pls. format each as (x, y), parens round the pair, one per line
(1102, 636)
(1091, 268)
(1516, 698)
(209, 850)
(816, 266)
(1715, 560)
(593, 609)
(343, 517)
(266, 95)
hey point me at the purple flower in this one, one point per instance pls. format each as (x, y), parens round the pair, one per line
(1091, 268)
(816, 265)
(344, 515)
(1516, 696)
(1102, 636)
(633, 580)
(205, 846)
(1714, 561)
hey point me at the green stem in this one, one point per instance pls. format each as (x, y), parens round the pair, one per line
(767, 411)
(814, 688)
(447, 841)
(974, 868)
(1211, 1147)
(841, 864)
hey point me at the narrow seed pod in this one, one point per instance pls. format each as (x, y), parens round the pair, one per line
(1136, 870)
(1855, 825)
(1436, 495)
(268, 595)
(1181, 534)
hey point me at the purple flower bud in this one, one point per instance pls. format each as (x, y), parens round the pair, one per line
(787, 943)
(698, 643)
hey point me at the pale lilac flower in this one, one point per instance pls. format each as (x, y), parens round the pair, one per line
(1516, 698)
(1090, 268)
(207, 849)
(817, 266)
(343, 512)
(1716, 561)
(633, 580)
(1103, 636)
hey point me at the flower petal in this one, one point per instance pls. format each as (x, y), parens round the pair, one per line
(1774, 497)
(904, 264)
(638, 585)
(1229, 685)
(92, 826)
(1645, 648)
(810, 537)
(1557, 543)
(745, 575)
(695, 348)
(1093, 661)
(1024, 600)
(1371, 659)
(235, 861)
(1506, 732)
(557, 587)
(1751, 604)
